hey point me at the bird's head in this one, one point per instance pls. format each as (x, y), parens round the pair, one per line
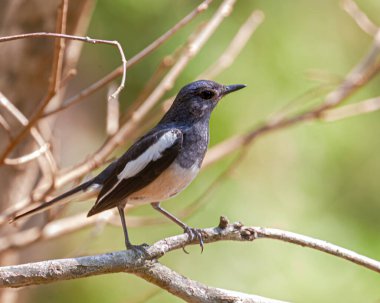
(197, 99)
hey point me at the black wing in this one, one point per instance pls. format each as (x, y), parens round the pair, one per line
(139, 166)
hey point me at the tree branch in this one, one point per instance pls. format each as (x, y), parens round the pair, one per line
(146, 265)
(236, 46)
(193, 291)
(359, 17)
(351, 110)
(13, 110)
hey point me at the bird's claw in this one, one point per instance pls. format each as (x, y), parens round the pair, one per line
(140, 249)
(194, 233)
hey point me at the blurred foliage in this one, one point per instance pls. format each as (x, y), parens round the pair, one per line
(318, 179)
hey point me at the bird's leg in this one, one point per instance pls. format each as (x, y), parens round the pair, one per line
(192, 232)
(157, 206)
(128, 243)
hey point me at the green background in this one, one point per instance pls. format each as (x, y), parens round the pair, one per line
(318, 179)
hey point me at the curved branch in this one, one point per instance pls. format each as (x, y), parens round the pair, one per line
(193, 291)
(329, 248)
(28, 157)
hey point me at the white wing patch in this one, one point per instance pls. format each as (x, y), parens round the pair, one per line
(154, 152)
(151, 154)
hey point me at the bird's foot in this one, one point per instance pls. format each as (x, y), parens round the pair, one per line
(140, 249)
(194, 233)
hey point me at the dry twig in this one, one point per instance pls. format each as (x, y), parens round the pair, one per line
(5, 125)
(27, 158)
(35, 134)
(236, 45)
(363, 107)
(113, 108)
(360, 17)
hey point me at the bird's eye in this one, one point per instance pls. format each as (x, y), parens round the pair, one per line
(207, 94)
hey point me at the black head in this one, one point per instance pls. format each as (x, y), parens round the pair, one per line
(197, 100)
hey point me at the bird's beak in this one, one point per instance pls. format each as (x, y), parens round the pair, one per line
(232, 88)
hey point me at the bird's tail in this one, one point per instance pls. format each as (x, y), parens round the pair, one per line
(87, 187)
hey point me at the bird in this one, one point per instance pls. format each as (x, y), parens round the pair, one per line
(160, 164)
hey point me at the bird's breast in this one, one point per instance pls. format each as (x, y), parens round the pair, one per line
(168, 184)
(195, 142)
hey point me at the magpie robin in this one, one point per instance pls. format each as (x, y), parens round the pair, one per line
(160, 164)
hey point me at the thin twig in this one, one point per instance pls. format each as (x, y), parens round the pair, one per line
(34, 132)
(66, 78)
(351, 110)
(59, 48)
(85, 93)
(113, 108)
(235, 46)
(28, 157)
(359, 17)
(324, 246)
(5, 125)
(166, 63)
